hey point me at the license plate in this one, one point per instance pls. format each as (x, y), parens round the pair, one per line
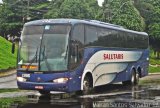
(39, 87)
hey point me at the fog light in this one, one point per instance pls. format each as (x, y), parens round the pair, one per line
(60, 80)
(21, 79)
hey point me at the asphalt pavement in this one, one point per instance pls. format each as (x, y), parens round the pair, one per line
(8, 82)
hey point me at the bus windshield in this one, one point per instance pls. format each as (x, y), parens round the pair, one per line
(44, 48)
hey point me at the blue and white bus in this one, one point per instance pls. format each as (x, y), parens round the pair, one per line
(71, 55)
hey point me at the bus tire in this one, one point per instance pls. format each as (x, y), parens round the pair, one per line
(137, 78)
(134, 79)
(87, 85)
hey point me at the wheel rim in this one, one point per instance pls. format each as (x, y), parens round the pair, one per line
(86, 85)
(137, 78)
(133, 78)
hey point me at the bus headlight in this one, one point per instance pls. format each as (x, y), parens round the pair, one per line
(21, 79)
(60, 80)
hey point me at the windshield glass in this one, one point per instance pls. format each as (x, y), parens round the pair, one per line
(44, 48)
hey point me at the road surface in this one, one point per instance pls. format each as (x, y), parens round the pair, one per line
(110, 96)
(8, 82)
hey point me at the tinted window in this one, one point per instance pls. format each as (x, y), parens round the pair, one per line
(130, 43)
(145, 41)
(78, 33)
(136, 41)
(103, 37)
(76, 45)
(32, 30)
(122, 39)
(91, 35)
(107, 37)
(113, 39)
(141, 41)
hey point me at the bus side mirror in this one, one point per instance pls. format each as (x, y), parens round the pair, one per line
(13, 48)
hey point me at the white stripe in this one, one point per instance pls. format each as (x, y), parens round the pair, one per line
(108, 61)
(105, 73)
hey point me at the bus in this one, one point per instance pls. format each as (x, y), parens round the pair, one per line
(70, 55)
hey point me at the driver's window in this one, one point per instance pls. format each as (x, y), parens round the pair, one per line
(77, 45)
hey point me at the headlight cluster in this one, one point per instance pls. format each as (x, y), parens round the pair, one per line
(60, 80)
(21, 79)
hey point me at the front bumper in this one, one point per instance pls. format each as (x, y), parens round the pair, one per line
(43, 86)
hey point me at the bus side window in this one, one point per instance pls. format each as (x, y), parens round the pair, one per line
(77, 46)
(74, 52)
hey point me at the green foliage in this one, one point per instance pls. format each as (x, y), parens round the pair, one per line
(7, 60)
(150, 10)
(37, 9)
(9, 18)
(74, 9)
(123, 13)
(8, 90)
(154, 62)
(154, 69)
(154, 31)
(80, 9)
(14, 13)
(94, 8)
(7, 102)
(149, 82)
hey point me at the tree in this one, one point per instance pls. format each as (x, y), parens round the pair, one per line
(53, 11)
(75, 9)
(123, 13)
(94, 8)
(9, 19)
(37, 9)
(80, 9)
(14, 13)
(150, 10)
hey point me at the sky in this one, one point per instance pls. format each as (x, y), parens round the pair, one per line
(99, 2)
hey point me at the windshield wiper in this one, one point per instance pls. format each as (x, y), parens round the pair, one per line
(35, 57)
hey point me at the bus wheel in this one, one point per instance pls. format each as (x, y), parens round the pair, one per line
(134, 79)
(87, 85)
(44, 92)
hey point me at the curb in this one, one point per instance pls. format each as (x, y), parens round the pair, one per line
(8, 78)
(6, 70)
(156, 73)
(6, 73)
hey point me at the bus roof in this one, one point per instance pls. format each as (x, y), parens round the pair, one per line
(77, 21)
